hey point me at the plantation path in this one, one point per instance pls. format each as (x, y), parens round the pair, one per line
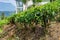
(54, 32)
(8, 32)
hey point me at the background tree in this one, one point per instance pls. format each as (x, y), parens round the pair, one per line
(25, 3)
(36, 1)
(2, 16)
(52, 0)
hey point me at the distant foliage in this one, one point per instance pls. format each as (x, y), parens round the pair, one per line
(2, 15)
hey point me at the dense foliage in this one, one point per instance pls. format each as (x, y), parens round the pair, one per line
(49, 10)
(37, 14)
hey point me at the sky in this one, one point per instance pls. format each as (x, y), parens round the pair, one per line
(6, 5)
(9, 1)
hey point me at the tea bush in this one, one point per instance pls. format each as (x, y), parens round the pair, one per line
(2, 22)
(37, 14)
(49, 11)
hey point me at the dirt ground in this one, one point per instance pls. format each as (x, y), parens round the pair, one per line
(54, 32)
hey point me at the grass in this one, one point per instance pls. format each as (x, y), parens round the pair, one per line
(1, 30)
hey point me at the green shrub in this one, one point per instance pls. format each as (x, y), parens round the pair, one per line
(2, 22)
(37, 14)
(49, 10)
